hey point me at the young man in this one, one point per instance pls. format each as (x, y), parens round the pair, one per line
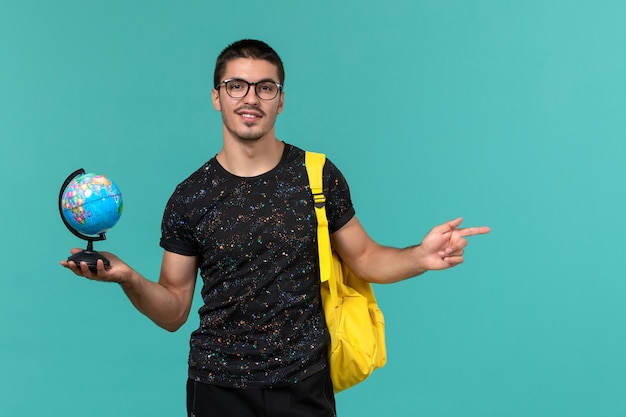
(246, 221)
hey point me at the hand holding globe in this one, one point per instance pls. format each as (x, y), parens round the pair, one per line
(89, 204)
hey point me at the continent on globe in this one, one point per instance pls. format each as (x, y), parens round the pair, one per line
(91, 203)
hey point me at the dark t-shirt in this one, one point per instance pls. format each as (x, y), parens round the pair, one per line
(262, 322)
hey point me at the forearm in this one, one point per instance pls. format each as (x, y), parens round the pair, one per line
(160, 304)
(385, 265)
(167, 302)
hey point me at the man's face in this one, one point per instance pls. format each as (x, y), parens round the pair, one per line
(248, 118)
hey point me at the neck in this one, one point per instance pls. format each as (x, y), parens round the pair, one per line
(251, 158)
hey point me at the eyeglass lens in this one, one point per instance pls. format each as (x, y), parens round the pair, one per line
(265, 90)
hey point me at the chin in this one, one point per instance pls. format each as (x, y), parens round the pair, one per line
(251, 136)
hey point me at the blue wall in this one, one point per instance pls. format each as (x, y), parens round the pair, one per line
(510, 114)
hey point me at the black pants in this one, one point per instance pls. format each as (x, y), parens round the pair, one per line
(311, 397)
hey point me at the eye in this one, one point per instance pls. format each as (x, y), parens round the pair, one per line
(267, 87)
(235, 85)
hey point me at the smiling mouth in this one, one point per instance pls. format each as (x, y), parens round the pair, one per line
(249, 114)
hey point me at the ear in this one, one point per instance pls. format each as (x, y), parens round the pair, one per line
(281, 103)
(215, 94)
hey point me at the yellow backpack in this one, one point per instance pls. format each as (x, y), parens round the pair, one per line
(355, 323)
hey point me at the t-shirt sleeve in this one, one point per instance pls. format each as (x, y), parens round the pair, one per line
(176, 233)
(339, 207)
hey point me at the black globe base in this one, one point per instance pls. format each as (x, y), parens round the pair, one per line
(90, 257)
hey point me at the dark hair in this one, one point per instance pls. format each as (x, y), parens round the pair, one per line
(247, 48)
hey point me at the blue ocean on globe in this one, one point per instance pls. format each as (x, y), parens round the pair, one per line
(91, 203)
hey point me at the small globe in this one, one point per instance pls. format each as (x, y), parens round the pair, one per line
(91, 204)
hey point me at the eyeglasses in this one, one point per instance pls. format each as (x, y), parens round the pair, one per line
(265, 90)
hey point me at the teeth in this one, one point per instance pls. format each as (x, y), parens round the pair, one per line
(248, 116)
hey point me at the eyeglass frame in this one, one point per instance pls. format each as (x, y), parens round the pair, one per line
(249, 84)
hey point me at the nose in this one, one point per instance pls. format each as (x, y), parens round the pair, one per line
(251, 96)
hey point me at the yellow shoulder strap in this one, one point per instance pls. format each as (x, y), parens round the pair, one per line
(315, 166)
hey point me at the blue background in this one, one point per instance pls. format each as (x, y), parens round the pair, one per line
(508, 113)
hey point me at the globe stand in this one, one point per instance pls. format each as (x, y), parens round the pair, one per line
(89, 256)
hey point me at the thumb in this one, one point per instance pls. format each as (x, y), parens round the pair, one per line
(448, 226)
(455, 223)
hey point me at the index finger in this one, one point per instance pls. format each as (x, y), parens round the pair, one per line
(472, 231)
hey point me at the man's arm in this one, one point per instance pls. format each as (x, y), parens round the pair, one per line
(166, 302)
(441, 248)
